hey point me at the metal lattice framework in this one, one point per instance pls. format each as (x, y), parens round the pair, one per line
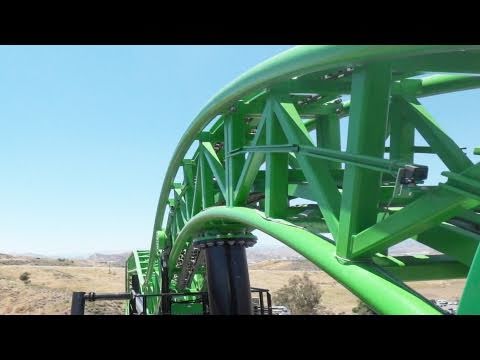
(273, 135)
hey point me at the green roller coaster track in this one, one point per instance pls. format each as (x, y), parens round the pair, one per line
(273, 135)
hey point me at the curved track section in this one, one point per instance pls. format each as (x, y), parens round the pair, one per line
(271, 140)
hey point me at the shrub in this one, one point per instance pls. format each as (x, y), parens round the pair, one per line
(362, 309)
(302, 296)
(25, 276)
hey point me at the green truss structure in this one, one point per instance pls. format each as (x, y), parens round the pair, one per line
(273, 136)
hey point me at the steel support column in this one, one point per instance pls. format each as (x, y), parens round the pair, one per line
(227, 278)
(78, 303)
(366, 136)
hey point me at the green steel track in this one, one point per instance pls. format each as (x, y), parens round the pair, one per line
(271, 139)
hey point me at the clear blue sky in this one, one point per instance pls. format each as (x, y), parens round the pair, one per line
(88, 131)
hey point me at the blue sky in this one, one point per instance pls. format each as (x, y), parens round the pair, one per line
(88, 131)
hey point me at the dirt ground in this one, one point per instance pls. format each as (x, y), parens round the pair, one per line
(48, 289)
(273, 274)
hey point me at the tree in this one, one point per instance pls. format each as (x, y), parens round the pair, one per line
(302, 296)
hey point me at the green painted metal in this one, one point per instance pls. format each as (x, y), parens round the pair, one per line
(402, 137)
(362, 161)
(328, 134)
(258, 153)
(422, 267)
(234, 130)
(252, 162)
(459, 243)
(447, 150)
(323, 187)
(365, 280)
(187, 309)
(470, 302)
(366, 136)
(276, 173)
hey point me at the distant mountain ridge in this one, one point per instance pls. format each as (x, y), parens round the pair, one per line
(262, 253)
(117, 259)
(255, 254)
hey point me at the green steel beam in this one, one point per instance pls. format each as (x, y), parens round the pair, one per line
(402, 137)
(216, 166)
(429, 86)
(206, 183)
(141, 278)
(455, 62)
(302, 190)
(364, 161)
(253, 161)
(470, 301)
(323, 187)
(422, 267)
(293, 162)
(383, 294)
(306, 69)
(280, 68)
(179, 217)
(294, 175)
(234, 130)
(328, 134)
(197, 192)
(416, 149)
(276, 173)
(173, 226)
(366, 136)
(456, 242)
(470, 216)
(462, 184)
(453, 157)
(441, 84)
(431, 209)
(188, 171)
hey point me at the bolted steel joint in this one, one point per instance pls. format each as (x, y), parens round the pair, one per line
(230, 239)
